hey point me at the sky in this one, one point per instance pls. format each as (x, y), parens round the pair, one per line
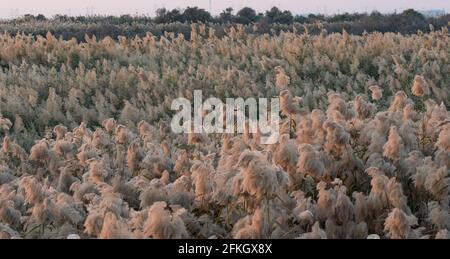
(14, 8)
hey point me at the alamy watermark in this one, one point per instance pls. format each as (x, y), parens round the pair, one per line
(214, 116)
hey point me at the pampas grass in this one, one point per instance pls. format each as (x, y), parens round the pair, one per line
(5, 124)
(376, 92)
(398, 224)
(420, 86)
(282, 80)
(393, 149)
(87, 149)
(162, 224)
(259, 177)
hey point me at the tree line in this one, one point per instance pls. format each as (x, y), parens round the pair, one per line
(178, 21)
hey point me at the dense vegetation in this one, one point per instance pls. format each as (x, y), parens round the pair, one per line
(87, 149)
(47, 81)
(178, 21)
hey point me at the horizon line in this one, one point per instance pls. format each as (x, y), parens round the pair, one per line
(15, 13)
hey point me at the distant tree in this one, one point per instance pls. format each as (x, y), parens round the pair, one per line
(413, 14)
(161, 14)
(275, 15)
(40, 17)
(28, 17)
(195, 14)
(315, 17)
(285, 18)
(165, 16)
(125, 19)
(300, 19)
(226, 16)
(61, 18)
(346, 17)
(409, 21)
(246, 15)
(376, 14)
